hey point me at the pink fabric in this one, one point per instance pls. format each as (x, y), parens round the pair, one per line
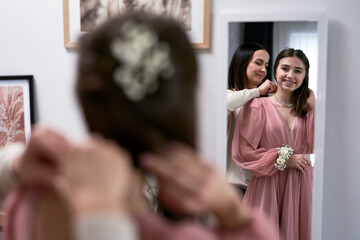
(285, 196)
(154, 227)
(19, 208)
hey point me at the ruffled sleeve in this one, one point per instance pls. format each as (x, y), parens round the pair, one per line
(246, 152)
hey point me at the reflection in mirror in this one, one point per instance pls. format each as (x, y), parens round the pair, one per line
(254, 135)
(276, 36)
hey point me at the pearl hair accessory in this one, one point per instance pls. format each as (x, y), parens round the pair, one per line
(143, 59)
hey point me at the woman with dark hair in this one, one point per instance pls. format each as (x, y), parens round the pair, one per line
(136, 85)
(247, 70)
(272, 138)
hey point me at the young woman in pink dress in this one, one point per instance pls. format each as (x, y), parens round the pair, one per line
(281, 185)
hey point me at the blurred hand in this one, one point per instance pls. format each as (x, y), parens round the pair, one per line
(267, 87)
(311, 99)
(188, 185)
(298, 161)
(39, 162)
(97, 177)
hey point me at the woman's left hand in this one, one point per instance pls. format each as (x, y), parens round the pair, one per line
(97, 177)
(188, 185)
(40, 161)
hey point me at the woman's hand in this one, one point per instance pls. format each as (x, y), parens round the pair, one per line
(298, 161)
(97, 177)
(40, 161)
(188, 185)
(267, 87)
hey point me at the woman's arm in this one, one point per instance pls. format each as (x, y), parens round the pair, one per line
(98, 178)
(192, 187)
(245, 146)
(236, 99)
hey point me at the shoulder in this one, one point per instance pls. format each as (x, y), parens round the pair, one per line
(257, 103)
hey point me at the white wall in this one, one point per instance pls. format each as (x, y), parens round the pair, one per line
(31, 42)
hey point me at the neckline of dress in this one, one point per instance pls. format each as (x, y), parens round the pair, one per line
(278, 113)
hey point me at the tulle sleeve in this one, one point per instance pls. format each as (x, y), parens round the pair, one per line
(245, 146)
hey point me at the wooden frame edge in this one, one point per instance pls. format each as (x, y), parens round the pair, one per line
(206, 33)
(201, 45)
(66, 19)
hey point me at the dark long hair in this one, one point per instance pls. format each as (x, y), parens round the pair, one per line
(240, 60)
(300, 95)
(162, 116)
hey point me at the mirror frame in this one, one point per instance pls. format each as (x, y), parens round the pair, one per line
(224, 18)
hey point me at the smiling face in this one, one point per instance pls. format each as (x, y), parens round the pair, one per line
(290, 73)
(257, 68)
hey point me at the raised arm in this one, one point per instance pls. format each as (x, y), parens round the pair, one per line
(37, 162)
(98, 179)
(236, 99)
(188, 185)
(245, 146)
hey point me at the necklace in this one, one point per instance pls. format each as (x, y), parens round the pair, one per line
(282, 103)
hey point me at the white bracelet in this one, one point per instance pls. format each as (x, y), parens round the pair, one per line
(284, 153)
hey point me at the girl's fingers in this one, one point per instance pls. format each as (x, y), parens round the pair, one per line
(155, 163)
(185, 159)
(170, 173)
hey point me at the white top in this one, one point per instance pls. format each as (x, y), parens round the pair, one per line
(105, 226)
(235, 100)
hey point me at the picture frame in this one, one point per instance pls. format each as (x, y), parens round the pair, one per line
(199, 34)
(17, 112)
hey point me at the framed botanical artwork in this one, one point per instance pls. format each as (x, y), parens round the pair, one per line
(16, 108)
(82, 16)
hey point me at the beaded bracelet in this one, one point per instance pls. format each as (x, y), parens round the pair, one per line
(284, 153)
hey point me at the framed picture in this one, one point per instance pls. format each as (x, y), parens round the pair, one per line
(82, 16)
(16, 108)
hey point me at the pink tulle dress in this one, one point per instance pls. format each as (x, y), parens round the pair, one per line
(285, 196)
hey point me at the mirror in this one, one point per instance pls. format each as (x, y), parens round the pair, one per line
(289, 30)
